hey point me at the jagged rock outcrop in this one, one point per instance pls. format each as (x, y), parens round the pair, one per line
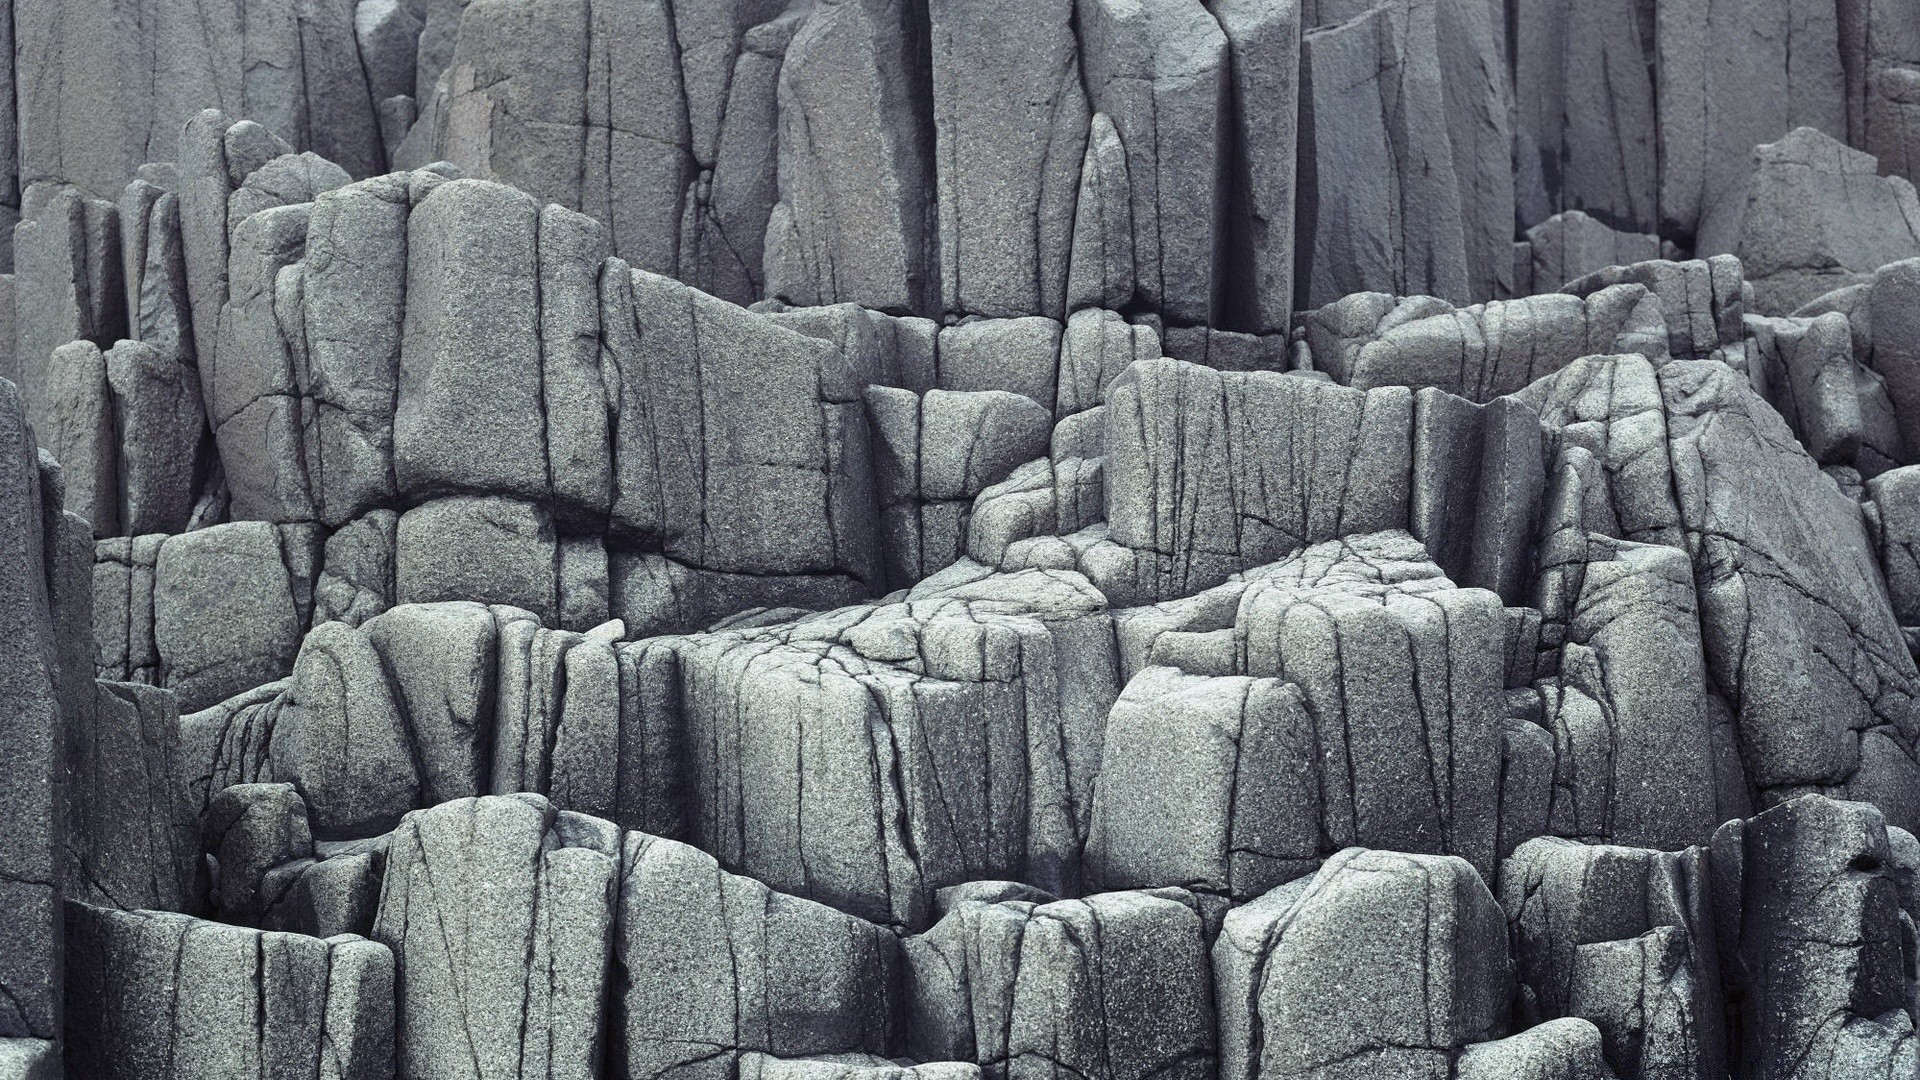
(959, 539)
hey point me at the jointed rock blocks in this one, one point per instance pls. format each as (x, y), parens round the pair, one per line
(852, 540)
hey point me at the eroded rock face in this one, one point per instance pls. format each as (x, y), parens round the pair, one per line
(959, 539)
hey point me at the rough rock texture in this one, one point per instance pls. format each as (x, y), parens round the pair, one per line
(167, 995)
(959, 539)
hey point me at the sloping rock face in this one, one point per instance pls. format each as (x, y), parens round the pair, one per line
(959, 540)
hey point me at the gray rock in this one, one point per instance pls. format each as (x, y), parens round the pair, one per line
(29, 1059)
(131, 837)
(335, 892)
(1887, 338)
(1010, 127)
(1702, 298)
(123, 609)
(159, 309)
(1112, 986)
(1727, 86)
(352, 311)
(1263, 46)
(1816, 216)
(166, 995)
(723, 246)
(1566, 1049)
(1159, 70)
(1879, 51)
(1633, 728)
(710, 966)
(654, 595)
(492, 550)
(557, 715)
(1380, 964)
(339, 737)
(854, 221)
(1100, 267)
(357, 571)
(387, 33)
(1166, 419)
(1483, 351)
(499, 908)
(1095, 348)
(1206, 783)
(30, 717)
(573, 389)
(1586, 123)
(1624, 938)
(1896, 497)
(936, 453)
(1811, 931)
(68, 284)
(1573, 244)
(758, 1066)
(1805, 369)
(1002, 791)
(247, 830)
(443, 659)
(1017, 355)
(1787, 589)
(742, 446)
(1377, 165)
(469, 386)
(77, 422)
(225, 612)
(161, 429)
(250, 379)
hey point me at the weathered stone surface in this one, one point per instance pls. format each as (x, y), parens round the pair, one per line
(499, 907)
(853, 222)
(1377, 174)
(1623, 938)
(1573, 244)
(1205, 783)
(1112, 986)
(1380, 964)
(492, 550)
(1159, 71)
(1566, 1049)
(67, 283)
(1816, 216)
(953, 752)
(1010, 122)
(1164, 418)
(1395, 679)
(468, 414)
(1702, 298)
(712, 966)
(226, 611)
(249, 829)
(30, 712)
(131, 838)
(742, 445)
(1586, 123)
(515, 545)
(1481, 352)
(1263, 49)
(1812, 930)
(167, 995)
(161, 430)
(1782, 593)
(1731, 80)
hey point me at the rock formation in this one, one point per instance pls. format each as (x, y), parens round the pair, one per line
(959, 540)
